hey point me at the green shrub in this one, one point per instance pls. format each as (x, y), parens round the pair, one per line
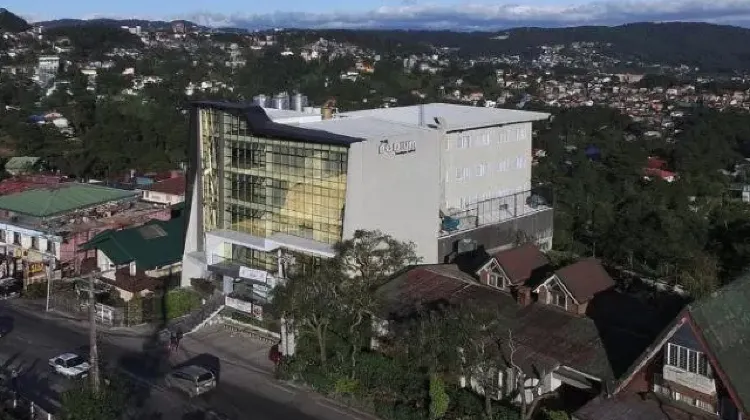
(204, 287)
(180, 302)
(346, 386)
(36, 290)
(548, 414)
(439, 399)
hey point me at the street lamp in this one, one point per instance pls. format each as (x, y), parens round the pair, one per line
(50, 269)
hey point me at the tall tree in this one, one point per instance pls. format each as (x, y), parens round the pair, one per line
(365, 261)
(311, 303)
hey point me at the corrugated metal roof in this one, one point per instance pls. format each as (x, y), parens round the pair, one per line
(59, 199)
(457, 117)
(155, 244)
(546, 335)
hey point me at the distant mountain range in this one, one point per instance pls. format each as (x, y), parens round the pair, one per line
(145, 24)
(710, 47)
(12, 23)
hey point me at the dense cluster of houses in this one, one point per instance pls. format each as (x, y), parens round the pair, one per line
(607, 353)
(130, 230)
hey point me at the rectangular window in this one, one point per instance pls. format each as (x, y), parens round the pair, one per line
(463, 141)
(502, 166)
(481, 169)
(2, 236)
(503, 136)
(521, 162)
(16, 238)
(704, 405)
(494, 280)
(34, 242)
(558, 299)
(486, 139)
(687, 359)
(50, 246)
(459, 174)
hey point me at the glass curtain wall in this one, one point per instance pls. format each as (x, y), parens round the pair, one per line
(278, 186)
(210, 138)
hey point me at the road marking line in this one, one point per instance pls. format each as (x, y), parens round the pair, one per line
(283, 388)
(338, 410)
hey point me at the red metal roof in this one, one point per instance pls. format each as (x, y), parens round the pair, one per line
(173, 186)
(29, 182)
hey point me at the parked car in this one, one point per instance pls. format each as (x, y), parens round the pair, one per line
(70, 365)
(192, 380)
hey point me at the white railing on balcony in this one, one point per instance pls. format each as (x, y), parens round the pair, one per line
(497, 210)
(700, 383)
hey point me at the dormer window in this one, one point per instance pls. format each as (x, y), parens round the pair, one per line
(556, 296)
(495, 280)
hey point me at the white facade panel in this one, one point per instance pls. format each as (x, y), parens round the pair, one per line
(485, 163)
(395, 187)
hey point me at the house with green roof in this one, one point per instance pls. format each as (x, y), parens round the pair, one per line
(696, 369)
(140, 259)
(60, 199)
(45, 226)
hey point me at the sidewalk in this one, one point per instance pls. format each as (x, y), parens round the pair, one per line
(245, 364)
(234, 349)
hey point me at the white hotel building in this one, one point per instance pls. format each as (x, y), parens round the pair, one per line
(269, 187)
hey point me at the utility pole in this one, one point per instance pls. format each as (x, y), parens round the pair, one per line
(93, 349)
(50, 270)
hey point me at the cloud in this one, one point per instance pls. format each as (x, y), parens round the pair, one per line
(482, 16)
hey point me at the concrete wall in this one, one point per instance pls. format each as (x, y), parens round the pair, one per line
(398, 194)
(192, 268)
(162, 198)
(485, 163)
(539, 225)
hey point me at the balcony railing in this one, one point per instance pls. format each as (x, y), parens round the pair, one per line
(497, 210)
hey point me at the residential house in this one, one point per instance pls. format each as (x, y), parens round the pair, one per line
(139, 260)
(45, 226)
(21, 165)
(512, 268)
(572, 287)
(695, 369)
(169, 191)
(558, 349)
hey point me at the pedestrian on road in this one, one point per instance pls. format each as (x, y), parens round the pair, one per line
(179, 338)
(172, 342)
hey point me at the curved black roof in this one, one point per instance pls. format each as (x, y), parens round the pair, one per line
(259, 123)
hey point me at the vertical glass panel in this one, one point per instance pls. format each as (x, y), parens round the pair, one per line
(277, 186)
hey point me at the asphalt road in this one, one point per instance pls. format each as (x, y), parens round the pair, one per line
(241, 394)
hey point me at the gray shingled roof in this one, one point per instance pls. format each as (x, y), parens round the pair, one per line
(724, 322)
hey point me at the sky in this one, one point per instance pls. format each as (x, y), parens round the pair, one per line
(415, 14)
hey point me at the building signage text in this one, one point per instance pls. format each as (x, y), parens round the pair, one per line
(253, 274)
(397, 148)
